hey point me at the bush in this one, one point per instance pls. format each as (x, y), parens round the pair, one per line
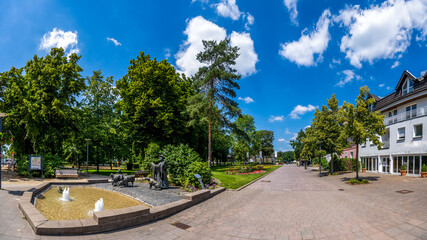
(152, 152)
(340, 164)
(355, 181)
(403, 167)
(424, 168)
(354, 161)
(22, 165)
(201, 168)
(136, 166)
(178, 158)
(50, 164)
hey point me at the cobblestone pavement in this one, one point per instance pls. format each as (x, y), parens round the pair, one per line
(290, 203)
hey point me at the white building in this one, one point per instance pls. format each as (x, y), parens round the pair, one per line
(405, 141)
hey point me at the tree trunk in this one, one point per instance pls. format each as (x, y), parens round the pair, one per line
(332, 164)
(357, 161)
(305, 165)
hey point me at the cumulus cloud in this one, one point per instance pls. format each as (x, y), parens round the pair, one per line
(295, 136)
(249, 21)
(388, 88)
(116, 43)
(349, 75)
(167, 53)
(246, 99)
(58, 38)
(292, 8)
(310, 43)
(301, 110)
(381, 31)
(276, 118)
(381, 85)
(199, 29)
(287, 131)
(395, 64)
(282, 140)
(228, 8)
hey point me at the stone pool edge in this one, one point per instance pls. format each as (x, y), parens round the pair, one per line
(105, 220)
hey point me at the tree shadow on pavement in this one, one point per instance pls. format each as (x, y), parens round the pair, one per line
(370, 178)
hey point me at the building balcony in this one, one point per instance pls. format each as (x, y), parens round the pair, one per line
(407, 115)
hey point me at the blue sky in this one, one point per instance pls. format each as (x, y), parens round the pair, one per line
(294, 53)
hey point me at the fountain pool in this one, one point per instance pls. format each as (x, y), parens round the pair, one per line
(82, 202)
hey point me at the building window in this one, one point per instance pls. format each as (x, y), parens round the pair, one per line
(418, 131)
(408, 86)
(411, 111)
(364, 144)
(401, 134)
(345, 154)
(351, 154)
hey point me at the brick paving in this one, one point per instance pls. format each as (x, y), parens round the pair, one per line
(290, 203)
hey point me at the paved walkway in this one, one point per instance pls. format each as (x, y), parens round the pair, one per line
(290, 203)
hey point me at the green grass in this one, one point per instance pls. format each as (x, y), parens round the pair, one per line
(108, 172)
(235, 181)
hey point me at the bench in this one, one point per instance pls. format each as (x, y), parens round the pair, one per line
(66, 174)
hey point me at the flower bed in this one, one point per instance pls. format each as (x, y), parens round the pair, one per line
(236, 172)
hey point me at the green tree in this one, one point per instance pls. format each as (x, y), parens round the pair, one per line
(327, 126)
(218, 81)
(362, 124)
(40, 100)
(266, 139)
(310, 144)
(298, 144)
(100, 118)
(244, 131)
(153, 99)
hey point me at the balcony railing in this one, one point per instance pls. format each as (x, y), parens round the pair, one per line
(413, 113)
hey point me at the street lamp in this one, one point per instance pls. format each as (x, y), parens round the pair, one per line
(87, 159)
(2, 115)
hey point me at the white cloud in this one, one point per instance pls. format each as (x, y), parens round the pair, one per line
(292, 8)
(349, 75)
(281, 140)
(249, 21)
(246, 99)
(381, 85)
(116, 43)
(245, 63)
(167, 53)
(199, 29)
(302, 51)
(381, 31)
(228, 8)
(287, 131)
(58, 38)
(307, 126)
(395, 64)
(301, 110)
(295, 136)
(388, 88)
(276, 118)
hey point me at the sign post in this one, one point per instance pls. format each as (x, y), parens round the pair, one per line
(36, 163)
(200, 180)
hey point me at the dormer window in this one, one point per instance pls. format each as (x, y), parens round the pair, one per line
(408, 86)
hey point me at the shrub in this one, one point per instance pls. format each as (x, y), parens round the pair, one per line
(152, 152)
(50, 164)
(178, 159)
(363, 165)
(424, 168)
(340, 164)
(354, 163)
(355, 181)
(403, 167)
(201, 168)
(22, 165)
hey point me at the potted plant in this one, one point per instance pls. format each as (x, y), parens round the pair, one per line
(363, 167)
(403, 170)
(423, 171)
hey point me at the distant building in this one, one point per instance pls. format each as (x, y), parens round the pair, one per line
(349, 152)
(405, 141)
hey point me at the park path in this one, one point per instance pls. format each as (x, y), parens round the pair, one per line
(290, 203)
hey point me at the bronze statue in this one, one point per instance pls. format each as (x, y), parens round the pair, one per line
(159, 175)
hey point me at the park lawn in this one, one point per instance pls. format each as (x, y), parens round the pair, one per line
(107, 172)
(235, 181)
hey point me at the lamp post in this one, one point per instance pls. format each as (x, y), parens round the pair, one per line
(2, 115)
(87, 152)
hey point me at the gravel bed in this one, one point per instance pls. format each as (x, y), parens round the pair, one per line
(142, 192)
